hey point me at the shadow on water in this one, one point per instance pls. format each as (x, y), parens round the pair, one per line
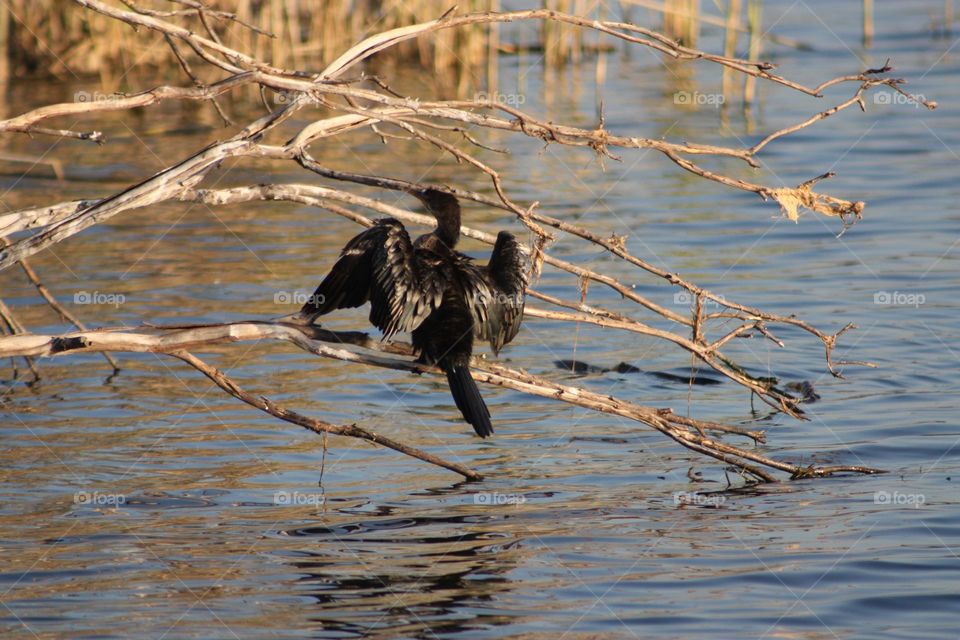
(419, 582)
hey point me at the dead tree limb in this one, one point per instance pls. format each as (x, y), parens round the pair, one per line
(317, 426)
(178, 339)
(361, 102)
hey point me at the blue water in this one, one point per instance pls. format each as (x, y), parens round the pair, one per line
(576, 532)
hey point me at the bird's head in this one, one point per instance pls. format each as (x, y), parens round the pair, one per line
(446, 209)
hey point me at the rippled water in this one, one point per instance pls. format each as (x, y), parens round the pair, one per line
(575, 532)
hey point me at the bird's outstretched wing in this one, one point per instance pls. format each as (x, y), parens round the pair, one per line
(506, 280)
(378, 265)
(477, 293)
(406, 287)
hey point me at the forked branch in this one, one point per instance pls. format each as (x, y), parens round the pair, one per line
(363, 103)
(176, 340)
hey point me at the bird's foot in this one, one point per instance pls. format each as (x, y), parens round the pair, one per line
(419, 368)
(298, 318)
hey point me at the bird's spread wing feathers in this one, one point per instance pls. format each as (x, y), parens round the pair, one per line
(506, 280)
(348, 283)
(476, 291)
(404, 285)
(425, 292)
(392, 278)
(380, 265)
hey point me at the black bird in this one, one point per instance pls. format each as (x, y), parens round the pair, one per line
(435, 292)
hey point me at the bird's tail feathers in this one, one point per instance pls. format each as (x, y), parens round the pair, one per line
(469, 401)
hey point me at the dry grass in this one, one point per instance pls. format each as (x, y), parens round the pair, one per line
(61, 39)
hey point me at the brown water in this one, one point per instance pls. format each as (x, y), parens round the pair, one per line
(154, 506)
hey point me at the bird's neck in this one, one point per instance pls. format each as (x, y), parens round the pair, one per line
(448, 224)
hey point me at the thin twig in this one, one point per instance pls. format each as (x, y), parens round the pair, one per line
(317, 426)
(62, 311)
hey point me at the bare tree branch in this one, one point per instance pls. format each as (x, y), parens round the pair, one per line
(330, 344)
(349, 104)
(317, 426)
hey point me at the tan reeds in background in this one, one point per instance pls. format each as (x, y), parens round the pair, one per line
(59, 38)
(681, 20)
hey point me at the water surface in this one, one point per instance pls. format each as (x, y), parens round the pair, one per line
(178, 529)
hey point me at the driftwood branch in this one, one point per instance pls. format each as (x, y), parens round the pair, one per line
(699, 345)
(178, 339)
(317, 426)
(591, 314)
(244, 69)
(362, 102)
(386, 108)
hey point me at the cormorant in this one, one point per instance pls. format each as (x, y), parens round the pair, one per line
(435, 292)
